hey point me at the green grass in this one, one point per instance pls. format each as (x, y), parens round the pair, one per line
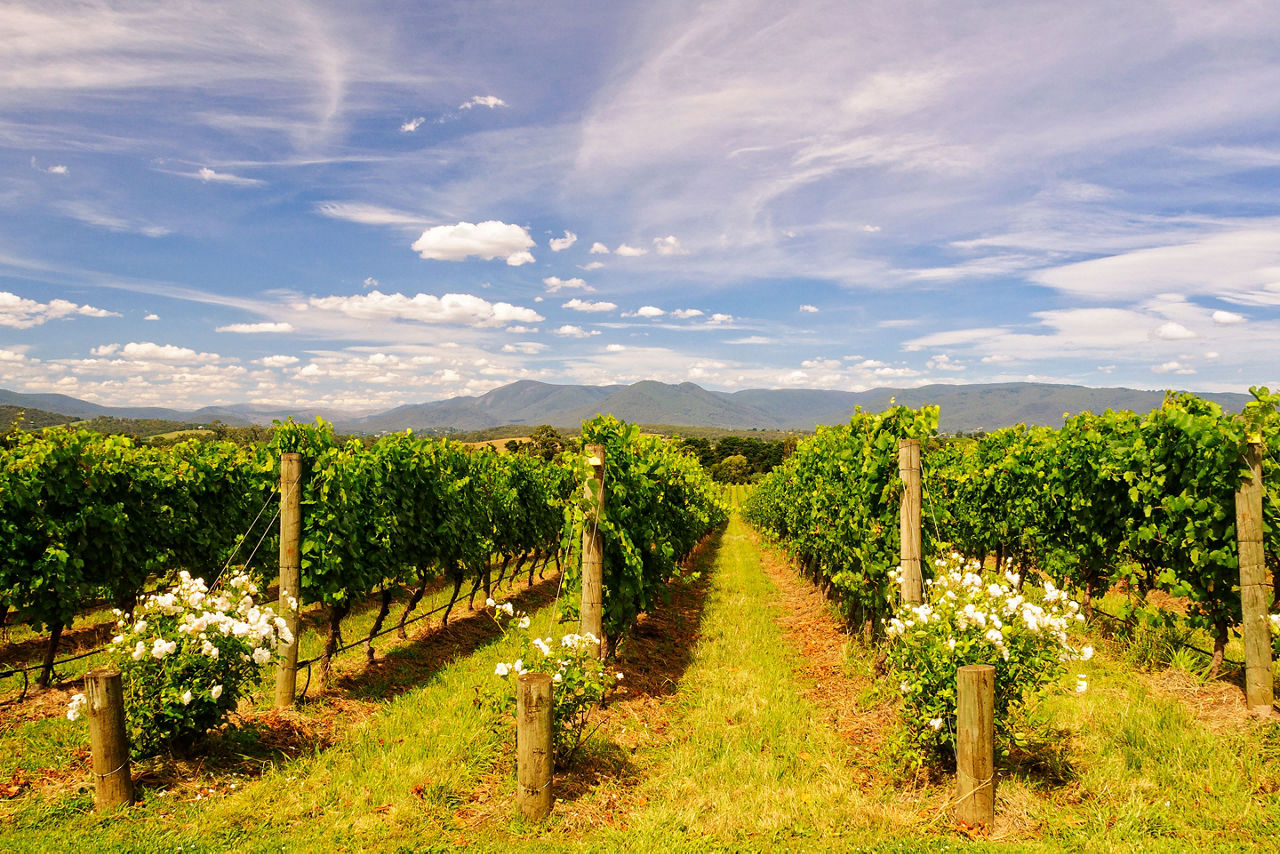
(735, 756)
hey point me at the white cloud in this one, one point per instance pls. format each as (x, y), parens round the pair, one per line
(559, 244)
(752, 339)
(1226, 318)
(614, 348)
(668, 245)
(630, 251)
(412, 125)
(943, 362)
(367, 214)
(58, 169)
(528, 348)
(571, 331)
(487, 240)
(20, 313)
(152, 317)
(686, 313)
(871, 229)
(584, 305)
(490, 101)
(371, 282)
(88, 213)
(599, 248)
(204, 173)
(1172, 331)
(592, 265)
(1174, 367)
(277, 361)
(809, 309)
(649, 311)
(458, 309)
(555, 284)
(253, 328)
(149, 351)
(719, 319)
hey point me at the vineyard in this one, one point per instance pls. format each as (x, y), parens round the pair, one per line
(756, 702)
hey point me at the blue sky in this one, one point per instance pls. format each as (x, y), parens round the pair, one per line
(358, 205)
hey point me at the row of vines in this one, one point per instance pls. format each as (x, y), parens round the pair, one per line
(88, 518)
(1143, 502)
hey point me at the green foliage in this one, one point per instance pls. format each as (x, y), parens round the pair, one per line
(659, 503)
(834, 504)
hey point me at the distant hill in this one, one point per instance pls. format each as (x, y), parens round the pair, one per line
(963, 407)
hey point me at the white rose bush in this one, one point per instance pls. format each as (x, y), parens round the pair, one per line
(580, 680)
(186, 658)
(972, 618)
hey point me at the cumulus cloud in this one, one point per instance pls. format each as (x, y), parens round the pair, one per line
(871, 229)
(1226, 318)
(599, 248)
(56, 169)
(668, 245)
(457, 309)
(571, 331)
(585, 305)
(152, 317)
(649, 311)
(1172, 331)
(252, 328)
(555, 284)
(686, 313)
(943, 362)
(149, 351)
(630, 251)
(412, 125)
(19, 313)
(1173, 367)
(277, 361)
(209, 176)
(719, 319)
(559, 244)
(809, 309)
(487, 240)
(490, 101)
(370, 282)
(592, 265)
(614, 348)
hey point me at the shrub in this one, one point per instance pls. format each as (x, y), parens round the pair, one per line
(580, 680)
(968, 619)
(188, 657)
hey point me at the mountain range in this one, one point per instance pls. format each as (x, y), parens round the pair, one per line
(963, 407)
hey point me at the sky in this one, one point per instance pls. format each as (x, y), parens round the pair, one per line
(359, 205)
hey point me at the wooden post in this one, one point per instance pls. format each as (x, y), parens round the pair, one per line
(593, 550)
(113, 782)
(535, 753)
(290, 574)
(975, 745)
(909, 470)
(1254, 594)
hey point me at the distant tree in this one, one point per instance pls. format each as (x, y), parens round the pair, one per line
(512, 446)
(734, 469)
(545, 441)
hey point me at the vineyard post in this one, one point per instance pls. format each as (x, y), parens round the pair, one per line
(290, 574)
(975, 745)
(534, 749)
(1253, 589)
(593, 549)
(909, 470)
(113, 781)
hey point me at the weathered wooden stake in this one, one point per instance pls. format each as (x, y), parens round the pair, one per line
(290, 574)
(113, 781)
(1254, 595)
(975, 745)
(535, 753)
(909, 470)
(593, 550)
